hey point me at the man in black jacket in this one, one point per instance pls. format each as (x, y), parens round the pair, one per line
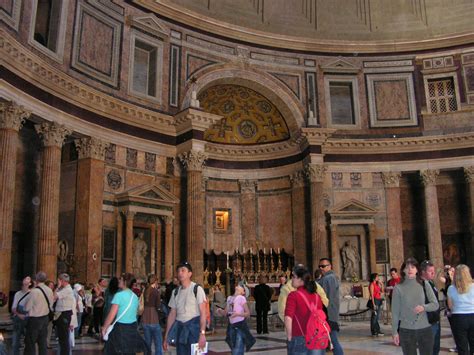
(263, 295)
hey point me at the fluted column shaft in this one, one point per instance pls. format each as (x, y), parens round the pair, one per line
(118, 266)
(394, 217)
(315, 174)
(433, 228)
(159, 248)
(90, 192)
(248, 212)
(469, 175)
(53, 137)
(11, 120)
(129, 216)
(194, 161)
(300, 246)
(168, 248)
(372, 237)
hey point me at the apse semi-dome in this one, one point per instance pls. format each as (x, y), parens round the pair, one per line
(249, 117)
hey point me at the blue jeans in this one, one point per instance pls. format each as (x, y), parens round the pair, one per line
(436, 328)
(19, 327)
(79, 323)
(239, 346)
(374, 318)
(297, 346)
(152, 332)
(335, 343)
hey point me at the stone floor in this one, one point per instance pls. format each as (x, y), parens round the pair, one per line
(354, 336)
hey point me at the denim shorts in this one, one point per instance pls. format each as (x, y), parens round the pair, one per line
(297, 346)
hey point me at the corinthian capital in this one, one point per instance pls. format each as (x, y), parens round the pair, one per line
(315, 172)
(428, 177)
(297, 179)
(469, 173)
(193, 160)
(91, 147)
(168, 219)
(12, 116)
(53, 134)
(391, 178)
(247, 186)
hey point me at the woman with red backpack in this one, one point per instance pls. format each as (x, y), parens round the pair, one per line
(305, 321)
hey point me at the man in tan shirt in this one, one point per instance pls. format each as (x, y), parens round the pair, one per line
(38, 306)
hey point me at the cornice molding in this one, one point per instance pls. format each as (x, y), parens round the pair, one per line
(31, 67)
(192, 119)
(425, 143)
(275, 40)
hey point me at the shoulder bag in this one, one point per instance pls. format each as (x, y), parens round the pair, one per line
(111, 327)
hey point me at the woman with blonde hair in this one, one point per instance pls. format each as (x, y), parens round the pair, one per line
(461, 303)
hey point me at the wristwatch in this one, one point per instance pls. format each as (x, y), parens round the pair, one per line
(203, 332)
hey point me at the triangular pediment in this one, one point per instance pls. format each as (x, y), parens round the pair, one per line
(148, 193)
(353, 208)
(149, 23)
(339, 66)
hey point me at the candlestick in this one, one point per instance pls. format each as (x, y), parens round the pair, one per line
(251, 252)
(278, 250)
(263, 250)
(271, 251)
(227, 259)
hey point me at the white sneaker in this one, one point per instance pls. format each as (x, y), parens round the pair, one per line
(453, 350)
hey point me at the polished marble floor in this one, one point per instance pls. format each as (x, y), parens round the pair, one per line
(354, 336)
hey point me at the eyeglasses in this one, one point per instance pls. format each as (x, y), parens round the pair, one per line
(323, 266)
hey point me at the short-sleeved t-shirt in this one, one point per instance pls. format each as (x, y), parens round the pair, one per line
(186, 304)
(462, 302)
(235, 304)
(122, 299)
(23, 296)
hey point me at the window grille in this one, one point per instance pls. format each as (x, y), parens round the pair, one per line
(442, 95)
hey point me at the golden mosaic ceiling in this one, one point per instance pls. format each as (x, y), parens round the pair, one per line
(249, 117)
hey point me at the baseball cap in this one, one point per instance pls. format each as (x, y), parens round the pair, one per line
(186, 265)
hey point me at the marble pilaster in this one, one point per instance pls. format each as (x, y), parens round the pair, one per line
(433, 229)
(194, 162)
(153, 248)
(336, 262)
(168, 248)
(300, 250)
(12, 117)
(319, 243)
(159, 249)
(391, 182)
(129, 217)
(90, 191)
(469, 175)
(248, 212)
(53, 136)
(372, 236)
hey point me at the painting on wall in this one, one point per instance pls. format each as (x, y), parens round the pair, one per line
(222, 220)
(453, 249)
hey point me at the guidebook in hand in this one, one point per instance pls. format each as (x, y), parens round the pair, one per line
(196, 350)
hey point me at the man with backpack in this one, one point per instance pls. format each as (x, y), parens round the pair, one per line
(305, 321)
(186, 322)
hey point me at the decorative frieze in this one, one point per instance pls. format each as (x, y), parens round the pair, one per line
(150, 161)
(356, 179)
(12, 116)
(336, 179)
(53, 134)
(91, 147)
(247, 186)
(132, 158)
(391, 178)
(428, 177)
(315, 172)
(193, 160)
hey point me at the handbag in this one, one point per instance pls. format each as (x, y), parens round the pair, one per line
(111, 327)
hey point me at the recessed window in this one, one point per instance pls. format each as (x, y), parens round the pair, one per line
(145, 77)
(342, 107)
(442, 95)
(47, 23)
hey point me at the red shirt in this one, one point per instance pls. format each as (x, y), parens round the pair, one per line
(296, 308)
(377, 294)
(392, 283)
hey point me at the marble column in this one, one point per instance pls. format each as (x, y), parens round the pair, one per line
(372, 236)
(159, 249)
(169, 267)
(336, 262)
(89, 201)
(12, 117)
(391, 181)
(469, 175)
(53, 136)
(248, 212)
(129, 216)
(118, 259)
(300, 249)
(433, 228)
(194, 162)
(319, 242)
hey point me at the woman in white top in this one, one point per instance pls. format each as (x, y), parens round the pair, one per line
(461, 303)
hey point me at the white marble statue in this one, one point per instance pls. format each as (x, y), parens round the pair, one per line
(139, 252)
